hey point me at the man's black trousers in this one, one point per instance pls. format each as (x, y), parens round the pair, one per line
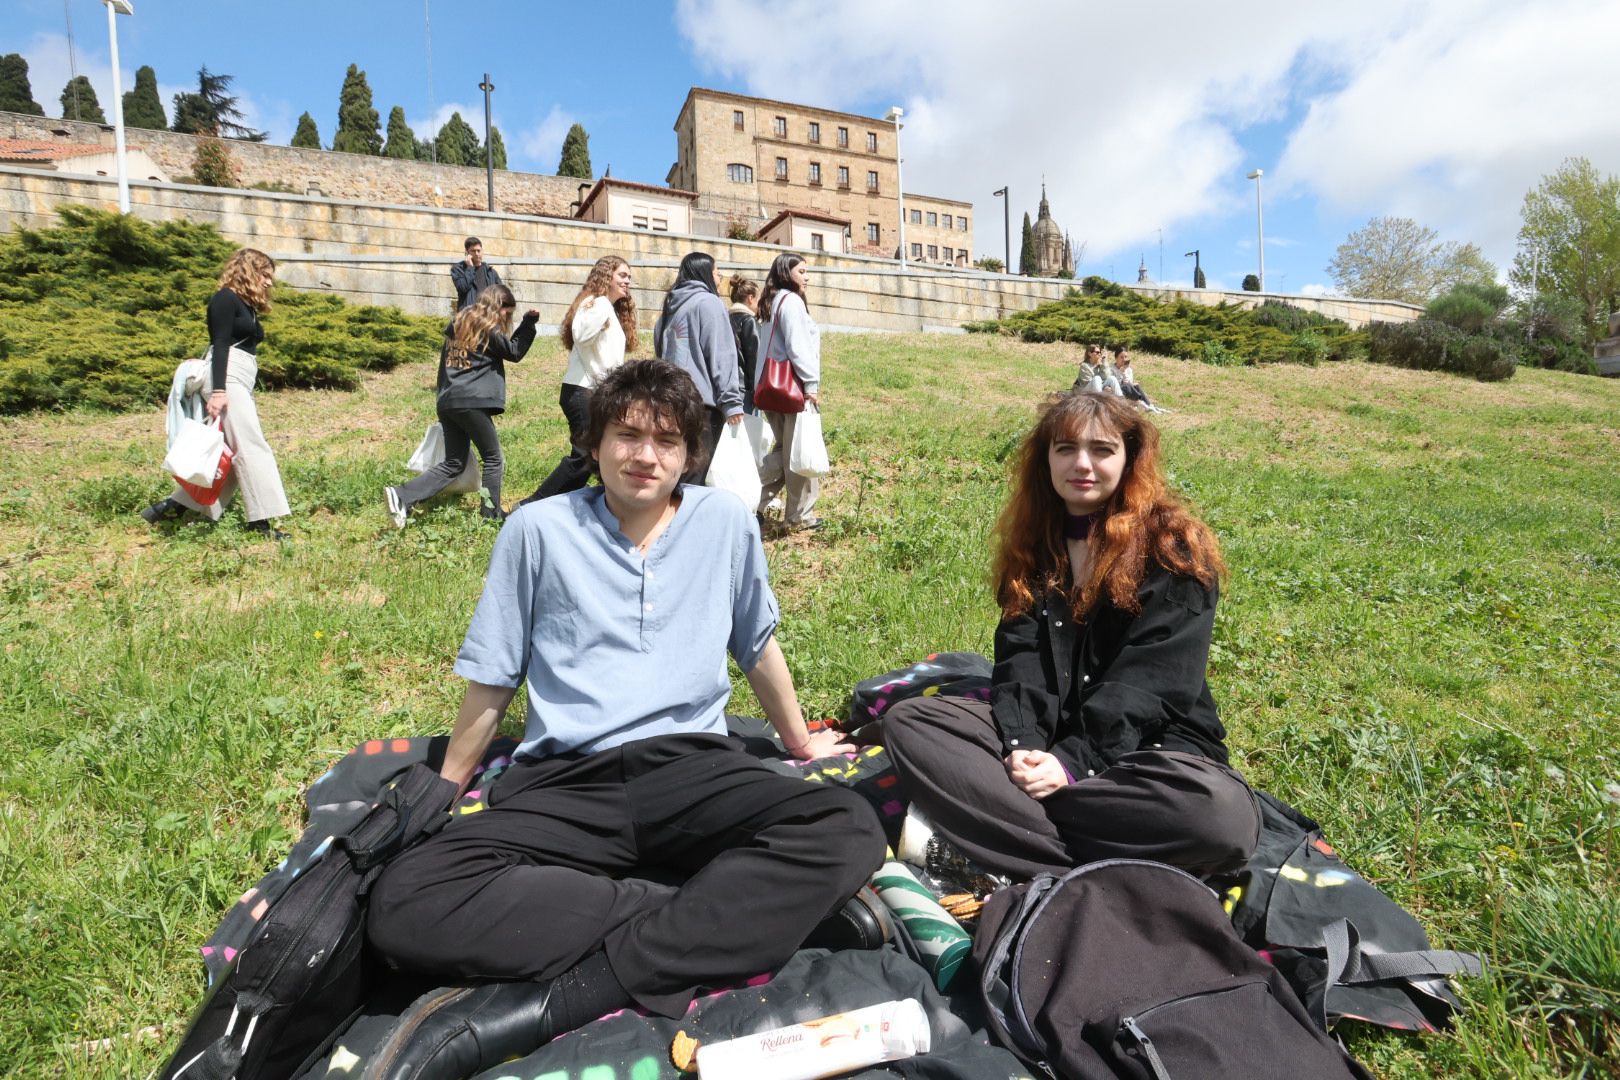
(552, 870)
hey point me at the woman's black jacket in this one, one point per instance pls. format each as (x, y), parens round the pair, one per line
(1115, 683)
(482, 383)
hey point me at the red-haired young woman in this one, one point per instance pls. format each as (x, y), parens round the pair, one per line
(1100, 739)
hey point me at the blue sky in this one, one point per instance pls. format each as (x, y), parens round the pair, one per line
(1142, 119)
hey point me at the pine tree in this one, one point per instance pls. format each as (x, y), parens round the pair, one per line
(1029, 262)
(308, 135)
(79, 102)
(424, 149)
(401, 139)
(15, 93)
(458, 143)
(576, 154)
(211, 110)
(142, 106)
(357, 120)
(498, 145)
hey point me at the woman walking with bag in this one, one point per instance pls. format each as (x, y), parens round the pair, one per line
(598, 328)
(1100, 739)
(789, 335)
(478, 344)
(694, 333)
(234, 334)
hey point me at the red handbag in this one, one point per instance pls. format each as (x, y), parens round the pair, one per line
(208, 496)
(778, 389)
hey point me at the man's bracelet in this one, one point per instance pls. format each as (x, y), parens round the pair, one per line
(796, 749)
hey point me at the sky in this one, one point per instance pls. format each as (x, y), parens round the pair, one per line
(1142, 120)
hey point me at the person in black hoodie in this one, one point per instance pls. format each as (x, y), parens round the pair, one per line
(1101, 738)
(478, 343)
(694, 333)
(745, 327)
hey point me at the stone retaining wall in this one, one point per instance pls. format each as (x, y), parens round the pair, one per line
(401, 255)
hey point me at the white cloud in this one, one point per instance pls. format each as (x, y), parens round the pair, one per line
(1136, 114)
(1318, 289)
(542, 143)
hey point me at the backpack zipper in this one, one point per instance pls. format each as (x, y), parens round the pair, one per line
(1159, 1071)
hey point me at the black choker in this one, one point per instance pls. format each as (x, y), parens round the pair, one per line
(1077, 526)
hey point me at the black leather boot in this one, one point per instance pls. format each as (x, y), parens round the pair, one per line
(863, 922)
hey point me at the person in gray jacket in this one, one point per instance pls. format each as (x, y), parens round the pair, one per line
(478, 344)
(694, 333)
(472, 275)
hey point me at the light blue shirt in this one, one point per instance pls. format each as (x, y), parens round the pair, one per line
(617, 647)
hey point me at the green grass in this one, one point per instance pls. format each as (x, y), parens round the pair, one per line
(1417, 646)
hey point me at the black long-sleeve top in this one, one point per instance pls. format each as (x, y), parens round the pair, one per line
(745, 326)
(230, 322)
(1095, 691)
(472, 280)
(482, 383)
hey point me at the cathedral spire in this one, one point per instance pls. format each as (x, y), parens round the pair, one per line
(1046, 210)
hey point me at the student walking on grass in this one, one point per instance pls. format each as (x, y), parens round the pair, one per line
(597, 330)
(234, 336)
(626, 774)
(478, 344)
(694, 333)
(789, 332)
(1101, 738)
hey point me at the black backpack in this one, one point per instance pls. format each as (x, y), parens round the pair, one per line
(303, 970)
(1348, 950)
(1127, 968)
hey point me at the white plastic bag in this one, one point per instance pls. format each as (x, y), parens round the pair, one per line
(430, 452)
(808, 454)
(733, 468)
(194, 454)
(760, 436)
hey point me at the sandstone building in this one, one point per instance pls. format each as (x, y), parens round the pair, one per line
(1053, 252)
(750, 159)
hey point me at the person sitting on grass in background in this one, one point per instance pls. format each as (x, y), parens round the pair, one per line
(472, 275)
(472, 392)
(1101, 739)
(1095, 374)
(618, 605)
(1128, 385)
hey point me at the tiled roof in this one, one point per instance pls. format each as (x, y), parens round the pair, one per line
(808, 215)
(37, 150)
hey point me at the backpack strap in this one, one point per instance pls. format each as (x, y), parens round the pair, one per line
(1348, 965)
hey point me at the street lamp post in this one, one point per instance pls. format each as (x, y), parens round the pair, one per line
(894, 115)
(1006, 230)
(489, 145)
(116, 8)
(1260, 224)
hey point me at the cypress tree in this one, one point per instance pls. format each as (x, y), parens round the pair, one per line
(308, 135)
(458, 143)
(79, 101)
(15, 93)
(497, 145)
(212, 164)
(142, 106)
(424, 149)
(357, 131)
(576, 154)
(401, 139)
(1029, 262)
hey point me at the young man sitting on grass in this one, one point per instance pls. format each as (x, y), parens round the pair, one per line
(618, 605)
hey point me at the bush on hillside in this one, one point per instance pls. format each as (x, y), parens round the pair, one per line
(1470, 307)
(1104, 311)
(99, 309)
(1430, 345)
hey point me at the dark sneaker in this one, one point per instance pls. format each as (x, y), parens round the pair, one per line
(463, 1030)
(397, 508)
(264, 528)
(162, 511)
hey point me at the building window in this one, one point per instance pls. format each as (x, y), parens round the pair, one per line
(933, 251)
(816, 243)
(638, 221)
(873, 235)
(737, 119)
(948, 255)
(740, 174)
(871, 181)
(660, 224)
(933, 218)
(843, 136)
(871, 142)
(945, 220)
(916, 217)
(815, 132)
(916, 251)
(779, 127)
(843, 176)
(961, 223)
(815, 172)
(781, 168)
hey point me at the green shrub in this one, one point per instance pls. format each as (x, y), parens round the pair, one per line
(1428, 345)
(1309, 349)
(1219, 355)
(99, 309)
(1285, 316)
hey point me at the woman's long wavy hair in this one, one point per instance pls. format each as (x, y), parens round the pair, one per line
(244, 275)
(778, 280)
(496, 309)
(596, 284)
(1144, 522)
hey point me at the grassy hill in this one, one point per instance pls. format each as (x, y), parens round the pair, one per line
(1417, 647)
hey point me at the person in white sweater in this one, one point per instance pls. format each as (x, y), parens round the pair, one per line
(598, 329)
(790, 332)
